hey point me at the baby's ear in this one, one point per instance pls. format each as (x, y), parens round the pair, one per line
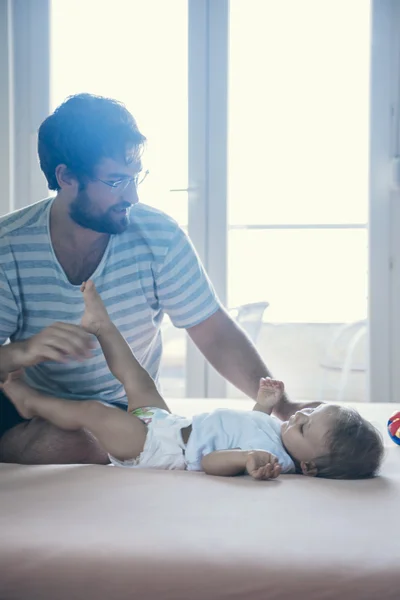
(308, 468)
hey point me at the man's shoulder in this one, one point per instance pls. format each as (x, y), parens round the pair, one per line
(147, 217)
(153, 227)
(22, 219)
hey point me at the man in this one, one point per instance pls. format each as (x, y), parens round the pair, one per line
(142, 263)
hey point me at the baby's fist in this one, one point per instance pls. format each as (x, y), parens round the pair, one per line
(262, 465)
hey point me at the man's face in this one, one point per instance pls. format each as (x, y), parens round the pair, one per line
(104, 208)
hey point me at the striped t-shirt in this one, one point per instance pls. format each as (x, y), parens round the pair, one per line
(150, 269)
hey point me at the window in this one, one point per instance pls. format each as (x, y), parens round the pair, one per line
(137, 52)
(298, 157)
(298, 143)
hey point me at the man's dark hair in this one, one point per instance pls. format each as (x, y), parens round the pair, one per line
(355, 449)
(84, 130)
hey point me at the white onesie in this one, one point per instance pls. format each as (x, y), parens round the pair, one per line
(225, 429)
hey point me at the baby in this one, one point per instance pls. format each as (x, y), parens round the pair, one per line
(328, 441)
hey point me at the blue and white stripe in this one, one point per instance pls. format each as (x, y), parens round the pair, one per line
(150, 269)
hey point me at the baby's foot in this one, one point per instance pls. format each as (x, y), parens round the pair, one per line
(21, 396)
(95, 315)
(270, 392)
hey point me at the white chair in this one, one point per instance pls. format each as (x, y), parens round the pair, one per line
(354, 332)
(250, 318)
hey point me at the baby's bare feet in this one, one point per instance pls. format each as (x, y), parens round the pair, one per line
(270, 392)
(20, 395)
(95, 315)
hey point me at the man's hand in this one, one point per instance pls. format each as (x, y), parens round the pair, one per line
(262, 465)
(58, 342)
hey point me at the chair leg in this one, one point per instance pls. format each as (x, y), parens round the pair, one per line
(348, 361)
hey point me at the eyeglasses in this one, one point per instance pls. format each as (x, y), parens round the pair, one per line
(122, 184)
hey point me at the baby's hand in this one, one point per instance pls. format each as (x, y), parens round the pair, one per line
(262, 465)
(270, 393)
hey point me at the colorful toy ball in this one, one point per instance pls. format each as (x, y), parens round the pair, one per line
(394, 427)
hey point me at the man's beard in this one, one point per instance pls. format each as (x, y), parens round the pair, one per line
(81, 212)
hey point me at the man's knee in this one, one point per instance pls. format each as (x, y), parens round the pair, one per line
(39, 442)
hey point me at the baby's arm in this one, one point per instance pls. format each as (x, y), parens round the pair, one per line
(227, 463)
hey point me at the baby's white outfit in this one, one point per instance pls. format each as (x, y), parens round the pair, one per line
(164, 447)
(222, 429)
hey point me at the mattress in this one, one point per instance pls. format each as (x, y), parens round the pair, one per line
(92, 532)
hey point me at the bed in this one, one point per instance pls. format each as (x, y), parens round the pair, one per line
(90, 532)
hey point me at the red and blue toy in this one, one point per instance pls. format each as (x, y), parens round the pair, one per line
(394, 427)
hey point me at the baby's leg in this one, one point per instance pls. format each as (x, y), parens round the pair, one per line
(269, 394)
(139, 386)
(119, 433)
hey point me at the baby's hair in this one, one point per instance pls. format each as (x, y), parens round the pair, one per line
(355, 449)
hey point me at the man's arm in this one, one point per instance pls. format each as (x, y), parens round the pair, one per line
(226, 346)
(186, 294)
(227, 463)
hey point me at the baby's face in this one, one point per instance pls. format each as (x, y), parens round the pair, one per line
(305, 434)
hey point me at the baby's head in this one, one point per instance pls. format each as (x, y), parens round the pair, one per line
(333, 441)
